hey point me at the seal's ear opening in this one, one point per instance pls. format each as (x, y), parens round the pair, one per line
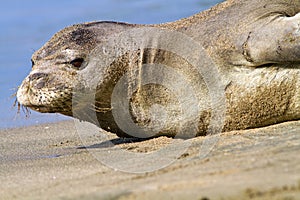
(77, 62)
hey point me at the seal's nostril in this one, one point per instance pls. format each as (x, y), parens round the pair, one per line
(37, 76)
(40, 84)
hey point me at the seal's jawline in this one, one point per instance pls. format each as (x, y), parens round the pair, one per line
(41, 108)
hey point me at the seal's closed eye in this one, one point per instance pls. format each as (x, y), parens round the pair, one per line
(32, 63)
(76, 63)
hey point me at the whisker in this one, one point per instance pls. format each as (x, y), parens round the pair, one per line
(26, 110)
(20, 107)
(100, 109)
(92, 108)
(15, 92)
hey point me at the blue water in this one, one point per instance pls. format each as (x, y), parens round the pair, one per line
(26, 25)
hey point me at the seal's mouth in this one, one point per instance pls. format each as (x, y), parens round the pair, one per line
(42, 109)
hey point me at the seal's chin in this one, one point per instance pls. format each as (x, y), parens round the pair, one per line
(41, 109)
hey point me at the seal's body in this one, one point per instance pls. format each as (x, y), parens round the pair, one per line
(254, 46)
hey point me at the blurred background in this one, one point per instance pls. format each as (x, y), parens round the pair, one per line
(27, 25)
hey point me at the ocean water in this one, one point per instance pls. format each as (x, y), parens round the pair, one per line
(27, 25)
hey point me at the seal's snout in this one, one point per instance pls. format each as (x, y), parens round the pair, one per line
(22, 96)
(37, 76)
(39, 79)
(31, 87)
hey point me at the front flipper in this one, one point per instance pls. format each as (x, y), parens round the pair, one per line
(277, 41)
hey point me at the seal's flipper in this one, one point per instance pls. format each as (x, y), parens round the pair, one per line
(278, 41)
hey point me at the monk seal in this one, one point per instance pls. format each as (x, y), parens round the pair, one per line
(254, 44)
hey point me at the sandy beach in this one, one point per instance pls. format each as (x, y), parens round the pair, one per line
(54, 161)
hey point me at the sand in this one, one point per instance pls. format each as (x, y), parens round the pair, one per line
(54, 161)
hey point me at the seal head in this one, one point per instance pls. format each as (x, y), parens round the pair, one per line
(49, 86)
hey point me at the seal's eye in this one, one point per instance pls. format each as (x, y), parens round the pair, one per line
(32, 63)
(77, 62)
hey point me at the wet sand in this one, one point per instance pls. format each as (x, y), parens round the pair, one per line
(53, 161)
